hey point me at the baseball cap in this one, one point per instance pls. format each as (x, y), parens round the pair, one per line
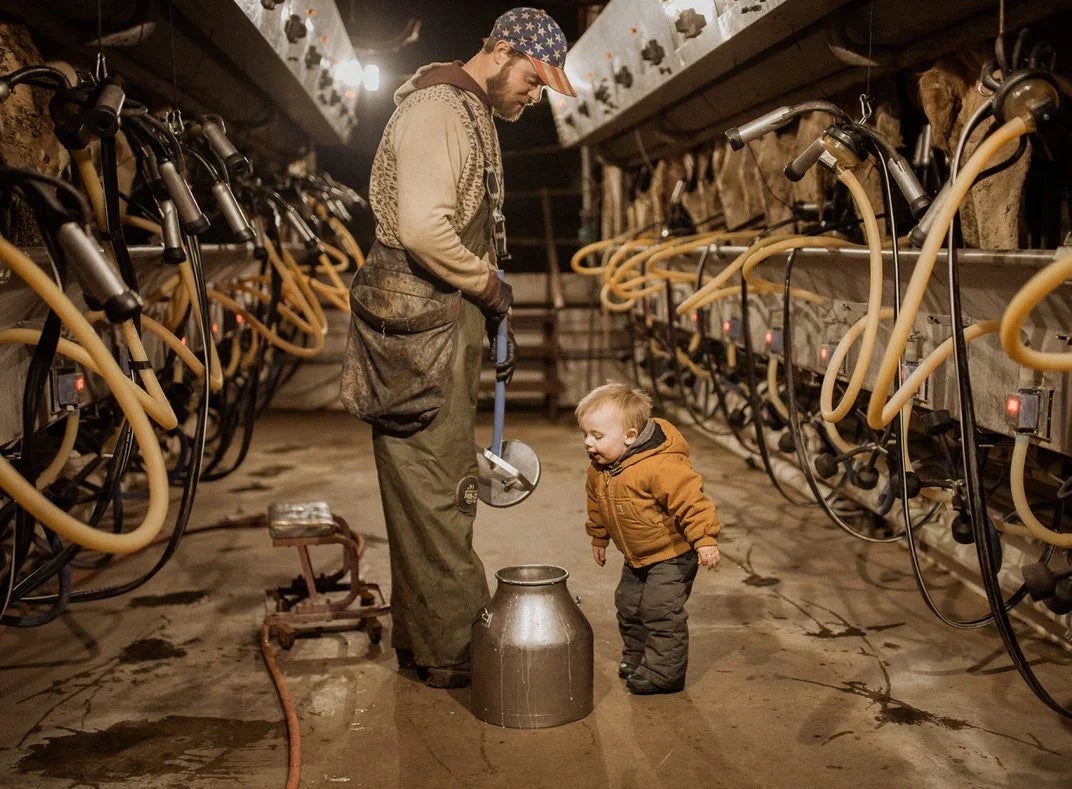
(534, 33)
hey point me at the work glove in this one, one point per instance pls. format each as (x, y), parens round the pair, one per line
(499, 306)
(504, 370)
(496, 310)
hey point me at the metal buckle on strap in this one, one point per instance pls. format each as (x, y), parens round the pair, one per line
(498, 227)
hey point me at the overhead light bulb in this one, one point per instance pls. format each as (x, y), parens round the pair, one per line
(349, 73)
(371, 77)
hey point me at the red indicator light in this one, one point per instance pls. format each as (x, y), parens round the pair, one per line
(726, 327)
(824, 353)
(769, 338)
(239, 320)
(1012, 405)
(79, 383)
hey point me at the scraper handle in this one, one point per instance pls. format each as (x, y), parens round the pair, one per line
(501, 340)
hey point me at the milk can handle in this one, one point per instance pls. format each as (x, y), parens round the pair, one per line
(577, 600)
(485, 616)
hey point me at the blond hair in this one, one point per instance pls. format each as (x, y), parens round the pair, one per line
(633, 405)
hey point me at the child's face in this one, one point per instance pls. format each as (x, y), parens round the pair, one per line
(605, 439)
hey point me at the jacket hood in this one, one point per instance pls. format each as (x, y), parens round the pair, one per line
(665, 439)
(442, 74)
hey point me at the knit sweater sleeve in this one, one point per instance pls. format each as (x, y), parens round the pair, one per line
(679, 489)
(431, 147)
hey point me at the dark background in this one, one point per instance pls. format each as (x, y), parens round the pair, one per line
(532, 156)
(167, 58)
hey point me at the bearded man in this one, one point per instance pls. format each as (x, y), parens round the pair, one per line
(429, 292)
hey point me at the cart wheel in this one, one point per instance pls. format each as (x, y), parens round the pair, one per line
(285, 636)
(375, 631)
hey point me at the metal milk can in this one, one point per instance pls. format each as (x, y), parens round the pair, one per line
(532, 652)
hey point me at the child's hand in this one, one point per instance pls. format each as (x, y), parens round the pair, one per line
(599, 553)
(709, 556)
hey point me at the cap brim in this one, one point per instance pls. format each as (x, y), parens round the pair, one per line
(553, 77)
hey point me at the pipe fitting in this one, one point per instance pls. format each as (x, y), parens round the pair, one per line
(740, 136)
(260, 251)
(918, 235)
(301, 227)
(102, 119)
(1031, 94)
(171, 231)
(193, 221)
(917, 198)
(796, 169)
(97, 278)
(844, 146)
(213, 130)
(232, 211)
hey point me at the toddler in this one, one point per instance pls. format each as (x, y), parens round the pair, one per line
(645, 496)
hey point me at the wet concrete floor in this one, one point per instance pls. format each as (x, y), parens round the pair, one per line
(813, 660)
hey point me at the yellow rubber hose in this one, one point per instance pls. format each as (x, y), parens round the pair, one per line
(26, 494)
(91, 183)
(1026, 299)
(163, 415)
(272, 337)
(928, 365)
(921, 275)
(829, 411)
(215, 374)
(1019, 497)
(772, 389)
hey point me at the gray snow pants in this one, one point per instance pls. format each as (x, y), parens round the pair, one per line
(652, 618)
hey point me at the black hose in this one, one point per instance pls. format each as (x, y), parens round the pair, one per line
(197, 454)
(753, 396)
(252, 390)
(700, 418)
(987, 541)
(794, 418)
(34, 387)
(27, 464)
(109, 493)
(114, 232)
(901, 442)
(38, 76)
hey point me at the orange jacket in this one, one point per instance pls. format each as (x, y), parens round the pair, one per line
(651, 503)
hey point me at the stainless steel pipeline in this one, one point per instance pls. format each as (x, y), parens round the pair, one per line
(1032, 258)
(142, 252)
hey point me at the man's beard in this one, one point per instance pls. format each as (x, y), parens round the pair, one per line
(504, 105)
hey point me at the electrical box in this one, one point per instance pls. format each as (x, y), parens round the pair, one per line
(922, 395)
(66, 388)
(775, 340)
(1029, 411)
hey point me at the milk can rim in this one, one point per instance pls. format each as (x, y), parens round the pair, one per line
(564, 575)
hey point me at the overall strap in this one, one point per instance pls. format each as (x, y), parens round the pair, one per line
(493, 188)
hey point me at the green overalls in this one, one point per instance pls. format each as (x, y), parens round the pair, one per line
(428, 487)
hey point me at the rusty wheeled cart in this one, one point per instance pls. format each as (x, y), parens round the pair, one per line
(303, 607)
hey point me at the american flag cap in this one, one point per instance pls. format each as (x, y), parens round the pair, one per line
(534, 33)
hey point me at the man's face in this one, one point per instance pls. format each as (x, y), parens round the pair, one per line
(513, 88)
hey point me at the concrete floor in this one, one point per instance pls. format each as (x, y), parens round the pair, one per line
(813, 660)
